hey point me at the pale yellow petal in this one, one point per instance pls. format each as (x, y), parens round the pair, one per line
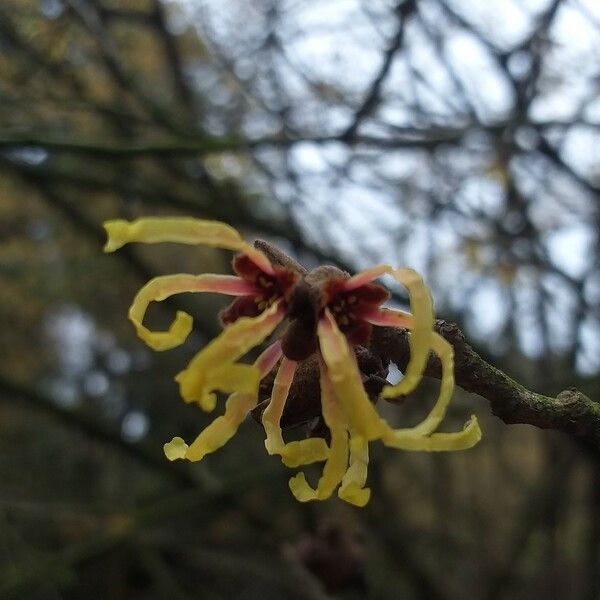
(293, 454)
(421, 306)
(161, 288)
(223, 428)
(271, 416)
(353, 488)
(337, 462)
(445, 352)
(182, 230)
(336, 421)
(213, 367)
(175, 449)
(418, 437)
(438, 442)
(345, 377)
(304, 452)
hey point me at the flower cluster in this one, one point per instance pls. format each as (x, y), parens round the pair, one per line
(326, 318)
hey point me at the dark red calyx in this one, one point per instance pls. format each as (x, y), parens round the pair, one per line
(269, 287)
(349, 307)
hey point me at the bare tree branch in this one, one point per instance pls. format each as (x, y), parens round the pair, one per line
(199, 146)
(403, 10)
(570, 411)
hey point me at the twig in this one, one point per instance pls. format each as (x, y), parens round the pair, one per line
(204, 145)
(403, 11)
(570, 411)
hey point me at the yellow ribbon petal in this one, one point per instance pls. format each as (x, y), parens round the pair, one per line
(223, 428)
(213, 367)
(182, 230)
(337, 462)
(421, 305)
(293, 454)
(413, 438)
(353, 488)
(445, 352)
(161, 288)
(438, 442)
(345, 377)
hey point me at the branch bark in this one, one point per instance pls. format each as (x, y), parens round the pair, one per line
(571, 411)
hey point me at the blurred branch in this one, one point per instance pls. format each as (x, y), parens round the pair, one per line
(108, 53)
(237, 213)
(86, 226)
(25, 396)
(570, 411)
(11, 36)
(555, 156)
(420, 138)
(14, 583)
(183, 90)
(403, 10)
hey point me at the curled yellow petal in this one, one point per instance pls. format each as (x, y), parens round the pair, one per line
(421, 306)
(271, 417)
(418, 437)
(353, 488)
(346, 380)
(182, 230)
(213, 367)
(445, 352)
(223, 428)
(161, 288)
(337, 461)
(438, 442)
(293, 454)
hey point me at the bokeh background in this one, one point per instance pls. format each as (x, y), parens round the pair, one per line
(457, 137)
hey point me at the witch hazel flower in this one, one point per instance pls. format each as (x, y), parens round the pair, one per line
(318, 322)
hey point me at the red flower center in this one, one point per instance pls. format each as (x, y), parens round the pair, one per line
(349, 305)
(269, 287)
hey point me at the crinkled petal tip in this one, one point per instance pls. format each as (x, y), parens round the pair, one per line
(178, 332)
(117, 231)
(182, 230)
(175, 449)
